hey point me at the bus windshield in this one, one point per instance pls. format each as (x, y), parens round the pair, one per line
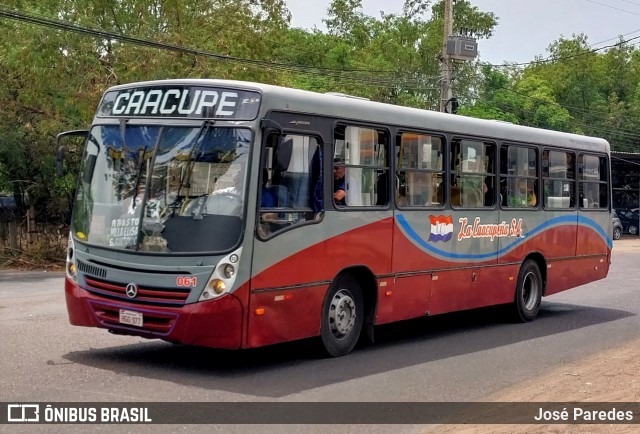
(166, 189)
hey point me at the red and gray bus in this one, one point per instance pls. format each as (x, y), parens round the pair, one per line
(205, 215)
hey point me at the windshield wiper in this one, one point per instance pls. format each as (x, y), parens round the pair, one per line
(124, 170)
(125, 152)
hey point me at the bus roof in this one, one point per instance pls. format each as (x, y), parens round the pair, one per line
(335, 105)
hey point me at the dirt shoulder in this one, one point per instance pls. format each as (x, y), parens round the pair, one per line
(610, 376)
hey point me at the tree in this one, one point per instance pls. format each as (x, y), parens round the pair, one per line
(53, 79)
(596, 87)
(392, 59)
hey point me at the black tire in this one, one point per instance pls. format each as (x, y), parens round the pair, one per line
(617, 233)
(526, 304)
(342, 316)
(633, 229)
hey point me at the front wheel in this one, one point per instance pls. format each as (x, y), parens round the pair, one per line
(528, 292)
(633, 230)
(342, 316)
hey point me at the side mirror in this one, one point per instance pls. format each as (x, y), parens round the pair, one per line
(60, 161)
(60, 153)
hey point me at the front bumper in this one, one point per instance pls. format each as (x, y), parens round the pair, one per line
(215, 323)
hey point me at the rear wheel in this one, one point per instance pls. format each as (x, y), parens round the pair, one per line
(342, 316)
(528, 292)
(633, 229)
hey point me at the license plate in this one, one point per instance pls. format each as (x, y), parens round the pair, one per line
(130, 317)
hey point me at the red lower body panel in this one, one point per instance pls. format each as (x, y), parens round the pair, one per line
(216, 323)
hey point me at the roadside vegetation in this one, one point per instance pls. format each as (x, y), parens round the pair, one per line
(54, 73)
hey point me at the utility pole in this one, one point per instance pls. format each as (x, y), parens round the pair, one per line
(446, 93)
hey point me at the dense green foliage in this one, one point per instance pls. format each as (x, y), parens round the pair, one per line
(577, 89)
(52, 79)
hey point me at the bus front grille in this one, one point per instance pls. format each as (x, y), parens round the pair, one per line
(92, 269)
(144, 295)
(155, 323)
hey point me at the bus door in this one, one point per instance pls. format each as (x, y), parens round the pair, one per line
(362, 217)
(288, 283)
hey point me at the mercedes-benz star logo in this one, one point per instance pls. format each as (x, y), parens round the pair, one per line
(132, 290)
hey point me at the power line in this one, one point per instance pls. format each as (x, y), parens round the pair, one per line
(567, 107)
(391, 80)
(625, 161)
(613, 7)
(630, 2)
(346, 76)
(616, 37)
(599, 129)
(561, 58)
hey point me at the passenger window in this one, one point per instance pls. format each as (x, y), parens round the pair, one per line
(361, 167)
(473, 179)
(593, 174)
(518, 177)
(420, 172)
(290, 181)
(558, 179)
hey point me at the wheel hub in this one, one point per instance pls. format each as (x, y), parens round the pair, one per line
(530, 291)
(342, 314)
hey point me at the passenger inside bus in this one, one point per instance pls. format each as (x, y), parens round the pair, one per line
(489, 192)
(339, 186)
(532, 200)
(503, 192)
(522, 194)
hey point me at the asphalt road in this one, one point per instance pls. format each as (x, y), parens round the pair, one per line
(456, 357)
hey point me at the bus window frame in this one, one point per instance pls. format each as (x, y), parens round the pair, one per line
(330, 163)
(396, 167)
(537, 148)
(319, 216)
(496, 173)
(606, 182)
(573, 197)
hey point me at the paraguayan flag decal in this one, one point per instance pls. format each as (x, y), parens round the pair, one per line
(441, 228)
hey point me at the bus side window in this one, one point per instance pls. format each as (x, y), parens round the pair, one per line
(558, 179)
(291, 183)
(594, 193)
(420, 170)
(519, 176)
(361, 167)
(473, 173)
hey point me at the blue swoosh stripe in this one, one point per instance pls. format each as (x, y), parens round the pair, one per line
(570, 219)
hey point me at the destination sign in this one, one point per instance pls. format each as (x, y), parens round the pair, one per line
(181, 102)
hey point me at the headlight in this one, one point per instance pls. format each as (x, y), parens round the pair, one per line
(223, 277)
(71, 261)
(229, 271)
(218, 286)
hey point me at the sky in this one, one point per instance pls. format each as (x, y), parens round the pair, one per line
(525, 27)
